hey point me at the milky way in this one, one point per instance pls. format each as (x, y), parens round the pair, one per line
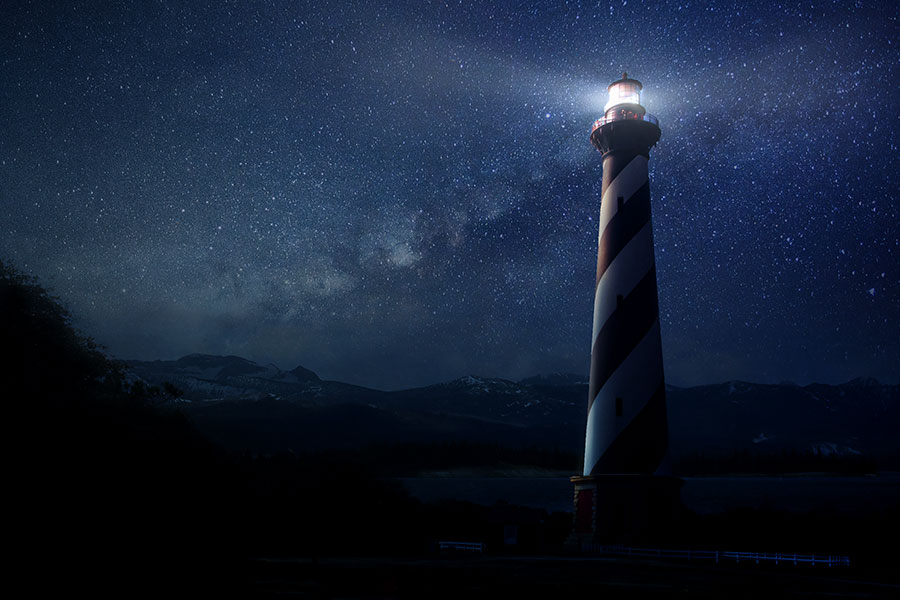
(398, 193)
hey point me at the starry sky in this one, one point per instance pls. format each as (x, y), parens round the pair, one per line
(399, 193)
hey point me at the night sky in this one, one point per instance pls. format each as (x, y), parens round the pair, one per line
(399, 193)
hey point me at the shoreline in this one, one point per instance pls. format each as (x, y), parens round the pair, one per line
(525, 472)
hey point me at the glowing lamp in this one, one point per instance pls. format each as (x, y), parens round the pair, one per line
(623, 91)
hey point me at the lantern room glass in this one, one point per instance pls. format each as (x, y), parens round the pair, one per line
(623, 92)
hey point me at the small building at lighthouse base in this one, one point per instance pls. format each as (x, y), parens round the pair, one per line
(624, 509)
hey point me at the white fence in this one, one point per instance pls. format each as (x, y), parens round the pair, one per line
(469, 546)
(816, 560)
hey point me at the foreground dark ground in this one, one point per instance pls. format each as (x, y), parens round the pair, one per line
(109, 496)
(556, 577)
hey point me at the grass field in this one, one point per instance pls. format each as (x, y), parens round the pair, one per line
(557, 578)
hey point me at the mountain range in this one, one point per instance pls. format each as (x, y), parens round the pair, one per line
(249, 407)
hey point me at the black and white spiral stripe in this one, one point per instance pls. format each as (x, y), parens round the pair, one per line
(626, 429)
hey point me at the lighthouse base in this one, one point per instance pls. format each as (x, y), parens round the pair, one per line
(624, 509)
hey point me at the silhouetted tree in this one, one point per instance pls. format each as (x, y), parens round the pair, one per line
(171, 391)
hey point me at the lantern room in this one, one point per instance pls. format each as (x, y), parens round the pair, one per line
(624, 122)
(623, 91)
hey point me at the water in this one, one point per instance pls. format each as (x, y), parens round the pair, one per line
(701, 494)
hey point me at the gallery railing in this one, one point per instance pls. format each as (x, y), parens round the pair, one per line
(624, 116)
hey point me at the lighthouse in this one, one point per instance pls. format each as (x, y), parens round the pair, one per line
(620, 497)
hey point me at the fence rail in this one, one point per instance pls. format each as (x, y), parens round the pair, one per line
(470, 546)
(825, 560)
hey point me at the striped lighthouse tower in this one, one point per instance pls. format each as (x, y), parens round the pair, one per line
(627, 432)
(626, 427)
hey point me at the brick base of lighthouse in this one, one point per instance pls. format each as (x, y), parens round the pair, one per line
(624, 509)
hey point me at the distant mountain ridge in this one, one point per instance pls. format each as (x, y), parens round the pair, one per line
(210, 377)
(556, 379)
(251, 407)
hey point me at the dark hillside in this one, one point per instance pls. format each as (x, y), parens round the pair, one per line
(97, 475)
